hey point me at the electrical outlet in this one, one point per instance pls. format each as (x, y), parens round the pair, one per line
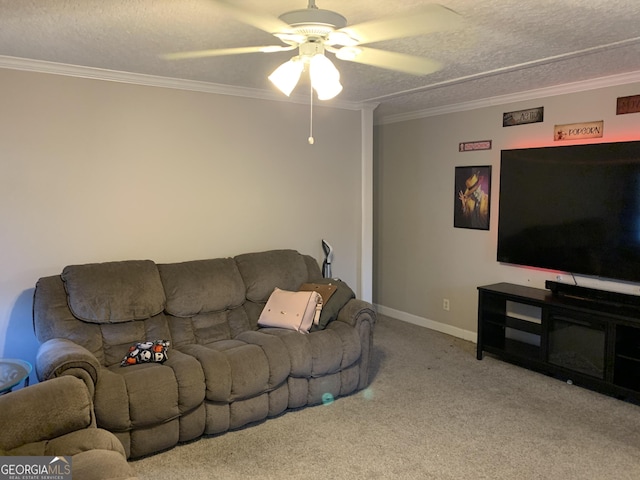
(445, 304)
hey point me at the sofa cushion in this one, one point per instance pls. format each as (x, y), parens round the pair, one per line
(321, 352)
(139, 396)
(201, 286)
(117, 338)
(241, 369)
(149, 394)
(114, 292)
(264, 271)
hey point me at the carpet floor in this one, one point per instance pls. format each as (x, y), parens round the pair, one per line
(432, 411)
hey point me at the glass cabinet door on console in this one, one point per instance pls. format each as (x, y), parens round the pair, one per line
(627, 357)
(577, 343)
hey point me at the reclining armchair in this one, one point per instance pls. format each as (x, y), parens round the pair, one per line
(55, 418)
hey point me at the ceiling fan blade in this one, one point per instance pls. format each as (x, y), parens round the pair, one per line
(226, 51)
(262, 21)
(390, 60)
(432, 18)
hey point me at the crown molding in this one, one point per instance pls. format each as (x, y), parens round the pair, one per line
(54, 68)
(575, 87)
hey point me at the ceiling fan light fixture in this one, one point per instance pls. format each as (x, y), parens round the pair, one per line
(286, 76)
(314, 19)
(325, 77)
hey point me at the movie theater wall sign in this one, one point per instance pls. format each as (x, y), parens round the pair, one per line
(474, 146)
(523, 117)
(628, 105)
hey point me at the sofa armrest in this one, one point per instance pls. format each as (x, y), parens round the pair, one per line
(362, 317)
(99, 464)
(59, 356)
(357, 311)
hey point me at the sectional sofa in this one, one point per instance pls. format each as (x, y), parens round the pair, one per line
(173, 351)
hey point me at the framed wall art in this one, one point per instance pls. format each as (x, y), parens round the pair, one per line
(472, 197)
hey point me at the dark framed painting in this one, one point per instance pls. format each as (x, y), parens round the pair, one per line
(472, 197)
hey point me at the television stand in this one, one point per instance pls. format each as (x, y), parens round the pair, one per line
(593, 342)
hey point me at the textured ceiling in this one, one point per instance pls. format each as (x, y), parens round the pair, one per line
(503, 47)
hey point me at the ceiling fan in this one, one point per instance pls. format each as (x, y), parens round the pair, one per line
(314, 31)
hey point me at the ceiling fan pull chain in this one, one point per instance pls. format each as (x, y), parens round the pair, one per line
(311, 140)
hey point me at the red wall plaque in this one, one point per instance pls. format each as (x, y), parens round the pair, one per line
(628, 105)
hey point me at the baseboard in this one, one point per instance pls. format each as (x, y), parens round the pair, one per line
(431, 324)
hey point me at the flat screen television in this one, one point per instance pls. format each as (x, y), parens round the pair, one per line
(572, 209)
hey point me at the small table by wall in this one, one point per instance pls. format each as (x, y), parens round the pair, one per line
(12, 372)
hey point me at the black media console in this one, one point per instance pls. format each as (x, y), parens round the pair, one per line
(587, 336)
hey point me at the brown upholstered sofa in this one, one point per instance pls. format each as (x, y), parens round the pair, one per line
(55, 418)
(222, 371)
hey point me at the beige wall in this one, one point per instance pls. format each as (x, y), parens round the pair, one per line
(95, 171)
(419, 257)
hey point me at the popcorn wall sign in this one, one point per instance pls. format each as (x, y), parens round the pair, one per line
(578, 131)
